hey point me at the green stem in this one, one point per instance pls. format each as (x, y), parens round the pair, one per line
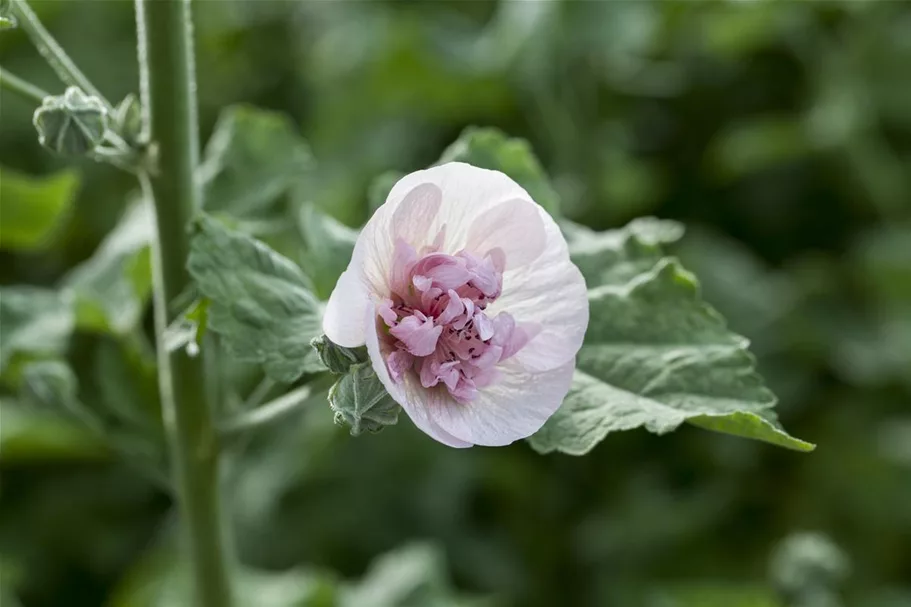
(167, 82)
(26, 90)
(53, 53)
(270, 412)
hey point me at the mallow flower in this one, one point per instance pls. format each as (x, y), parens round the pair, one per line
(461, 287)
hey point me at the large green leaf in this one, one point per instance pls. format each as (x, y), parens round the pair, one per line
(656, 355)
(328, 245)
(616, 256)
(34, 322)
(32, 208)
(490, 148)
(112, 287)
(260, 303)
(253, 157)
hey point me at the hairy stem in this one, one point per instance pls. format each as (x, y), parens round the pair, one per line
(168, 88)
(52, 52)
(26, 90)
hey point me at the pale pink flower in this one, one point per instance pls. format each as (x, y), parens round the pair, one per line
(462, 289)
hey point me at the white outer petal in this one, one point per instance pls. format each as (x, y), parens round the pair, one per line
(550, 292)
(343, 321)
(512, 408)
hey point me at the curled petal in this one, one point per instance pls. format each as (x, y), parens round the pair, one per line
(420, 336)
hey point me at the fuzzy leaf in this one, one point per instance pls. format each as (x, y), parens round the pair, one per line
(490, 148)
(656, 355)
(35, 322)
(616, 256)
(113, 287)
(360, 401)
(253, 157)
(336, 358)
(260, 303)
(33, 208)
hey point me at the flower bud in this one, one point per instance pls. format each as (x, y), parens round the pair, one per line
(335, 357)
(71, 124)
(360, 401)
(127, 120)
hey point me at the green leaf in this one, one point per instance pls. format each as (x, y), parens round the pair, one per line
(33, 208)
(360, 401)
(336, 358)
(161, 580)
(35, 322)
(616, 256)
(51, 384)
(260, 303)
(413, 575)
(656, 355)
(112, 288)
(328, 245)
(252, 158)
(490, 148)
(29, 434)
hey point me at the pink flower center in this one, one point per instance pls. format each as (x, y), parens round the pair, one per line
(436, 319)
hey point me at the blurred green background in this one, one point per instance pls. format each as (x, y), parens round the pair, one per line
(778, 132)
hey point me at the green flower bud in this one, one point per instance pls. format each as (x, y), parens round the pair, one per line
(127, 120)
(360, 401)
(335, 357)
(72, 123)
(7, 21)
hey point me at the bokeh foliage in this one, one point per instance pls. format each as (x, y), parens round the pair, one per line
(778, 132)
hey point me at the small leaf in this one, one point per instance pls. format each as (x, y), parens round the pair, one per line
(655, 355)
(260, 303)
(71, 124)
(380, 187)
(33, 208)
(490, 148)
(113, 287)
(35, 322)
(328, 247)
(252, 158)
(359, 400)
(414, 574)
(337, 358)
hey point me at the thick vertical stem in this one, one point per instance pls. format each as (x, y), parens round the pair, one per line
(168, 91)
